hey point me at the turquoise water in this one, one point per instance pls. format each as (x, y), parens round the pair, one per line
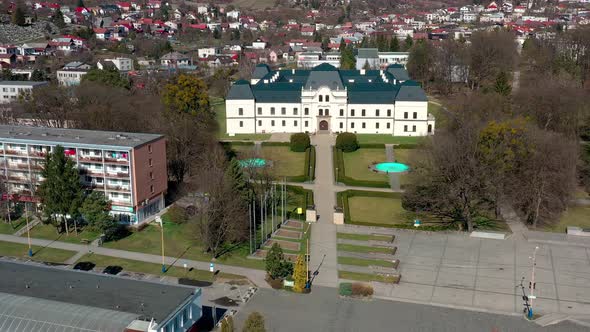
(253, 162)
(391, 167)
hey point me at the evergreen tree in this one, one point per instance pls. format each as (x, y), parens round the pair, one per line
(347, 60)
(342, 46)
(276, 265)
(365, 42)
(58, 19)
(38, 76)
(502, 86)
(108, 77)
(325, 44)
(394, 44)
(300, 274)
(61, 190)
(18, 16)
(216, 33)
(236, 175)
(367, 66)
(381, 43)
(254, 323)
(408, 43)
(95, 211)
(81, 3)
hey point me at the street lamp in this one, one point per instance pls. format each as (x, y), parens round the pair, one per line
(28, 230)
(532, 296)
(159, 221)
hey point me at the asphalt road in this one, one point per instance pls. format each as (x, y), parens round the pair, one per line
(323, 310)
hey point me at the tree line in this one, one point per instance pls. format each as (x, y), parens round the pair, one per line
(502, 145)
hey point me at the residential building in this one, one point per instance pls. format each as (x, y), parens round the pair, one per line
(379, 60)
(12, 90)
(325, 99)
(48, 298)
(313, 59)
(122, 64)
(71, 74)
(129, 168)
(175, 59)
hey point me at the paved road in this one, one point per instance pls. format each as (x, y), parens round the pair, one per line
(256, 276)
(323, 310)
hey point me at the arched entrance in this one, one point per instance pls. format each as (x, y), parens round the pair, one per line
(324, 125)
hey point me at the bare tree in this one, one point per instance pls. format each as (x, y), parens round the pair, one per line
(490, 53)
(222, 215)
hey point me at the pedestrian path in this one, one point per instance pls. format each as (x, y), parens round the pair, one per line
(256, 276)
(394, 181)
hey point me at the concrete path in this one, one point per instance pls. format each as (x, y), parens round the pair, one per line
(257, 148)
(339, 187)
(32, 223)
(323, 233)
(394, 181)
(256, 276)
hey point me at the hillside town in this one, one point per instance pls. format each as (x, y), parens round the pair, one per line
(288, 165)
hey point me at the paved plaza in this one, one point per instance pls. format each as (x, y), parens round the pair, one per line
(323, 310)
(456, 270)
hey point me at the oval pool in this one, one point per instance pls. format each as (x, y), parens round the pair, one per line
(390, 167)
(253, 162)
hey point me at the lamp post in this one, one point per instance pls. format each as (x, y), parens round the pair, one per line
(532, 296)
(28, 230)
(159, 221)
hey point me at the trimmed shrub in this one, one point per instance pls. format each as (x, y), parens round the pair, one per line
(345, 289)
(299, 142)
(347, 142)
(177, 214)
(254, 323)
(360, 289)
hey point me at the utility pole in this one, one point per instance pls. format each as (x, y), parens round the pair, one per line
(261, 223)
(28, 229)
(532, 286)
(254, 221)
(273, 206)
(250, 227)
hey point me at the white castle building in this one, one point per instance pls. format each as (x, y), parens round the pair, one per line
(329, 100)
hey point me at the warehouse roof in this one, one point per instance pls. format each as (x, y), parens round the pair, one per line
(74, 136)
(87, 289)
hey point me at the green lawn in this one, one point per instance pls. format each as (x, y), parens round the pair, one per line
(574, 216)
(356, 164)
(367, 277)
(382, 209)
(364, 262)
(179, 241)
(386, 139)
(363, 237)
(154, 268)
(219, 108)
(6, 228)
(364, 249)
(285, 163)
(48, 232)
(39, 253)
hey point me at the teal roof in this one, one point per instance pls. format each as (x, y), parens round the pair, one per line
(284, 86)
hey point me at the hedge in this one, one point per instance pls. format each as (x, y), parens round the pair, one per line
(339, 162)
(406, 146)
(347, 142)
(225, 143)
(299, 142)
(345, 289)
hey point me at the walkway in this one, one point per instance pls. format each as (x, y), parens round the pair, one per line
(323, 234)
(394, 182)
(256, 276)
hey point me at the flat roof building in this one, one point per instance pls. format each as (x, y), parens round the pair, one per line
(130, 168)
(35, 297)
(11, 91)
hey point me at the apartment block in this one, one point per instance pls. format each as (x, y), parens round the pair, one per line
(10, 91)
(129, 168)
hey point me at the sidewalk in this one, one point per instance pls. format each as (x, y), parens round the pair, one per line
(256, 276)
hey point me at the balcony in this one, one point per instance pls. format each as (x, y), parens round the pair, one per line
(90, 158)
(120, 201)
(37, 167)
(118, 175)
(116, 161)
(18, 179)
(18, 166)
(90, 171)
(37, 154)
(118, 188)
(15, 152)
